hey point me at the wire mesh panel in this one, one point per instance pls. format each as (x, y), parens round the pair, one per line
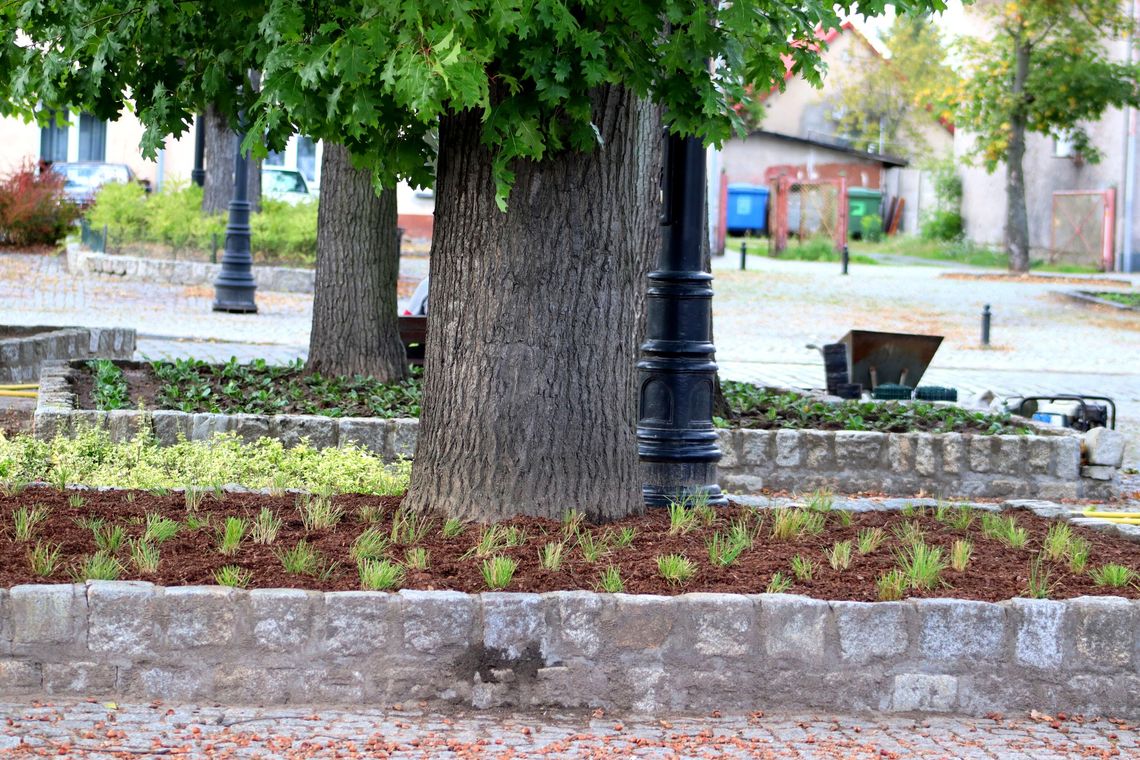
(1083, 222)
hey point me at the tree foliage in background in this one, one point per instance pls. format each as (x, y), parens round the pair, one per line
(887, 104)
(1044, 66)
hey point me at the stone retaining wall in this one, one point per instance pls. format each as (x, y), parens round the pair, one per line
(695, 652)
(268, 278)
(21, 357)
(949, 465)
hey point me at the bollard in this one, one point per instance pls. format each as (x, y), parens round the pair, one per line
(986, 325)
(743, 255)
(845, 257)
(214, 249)
(103, 243)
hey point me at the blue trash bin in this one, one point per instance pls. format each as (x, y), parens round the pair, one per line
(747, 211)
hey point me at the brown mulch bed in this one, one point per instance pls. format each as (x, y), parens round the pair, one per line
(142, 385)
(996, 572)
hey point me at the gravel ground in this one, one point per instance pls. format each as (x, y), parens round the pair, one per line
(92, 730)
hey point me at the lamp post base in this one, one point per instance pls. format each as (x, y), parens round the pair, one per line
(669, 482)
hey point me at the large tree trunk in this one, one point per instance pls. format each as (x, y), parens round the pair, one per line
(355, 328)
(536, 315)
(1017, 216)
(221, 153)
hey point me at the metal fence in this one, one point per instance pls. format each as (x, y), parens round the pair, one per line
(1083, 228)
(807, 210)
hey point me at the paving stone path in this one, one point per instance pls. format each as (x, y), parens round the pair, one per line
(94, 730)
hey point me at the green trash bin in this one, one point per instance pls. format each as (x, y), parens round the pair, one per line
(861, 202)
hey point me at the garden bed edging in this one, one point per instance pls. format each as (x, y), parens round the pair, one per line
(1053, 465)
(21, 356)
(273, 279)
(695, 652)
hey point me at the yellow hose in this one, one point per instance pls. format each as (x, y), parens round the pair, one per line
(1111, 515)
(19, 394)
(20, 387)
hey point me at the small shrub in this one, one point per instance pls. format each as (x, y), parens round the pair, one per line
(675, 568)
(233, 576)
(498, 571)
(871, 228)
(379, 574)
(34, 210)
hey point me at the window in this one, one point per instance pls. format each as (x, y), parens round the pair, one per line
(307, 157)
(53, 141)
(1064, 146)
(92, 139)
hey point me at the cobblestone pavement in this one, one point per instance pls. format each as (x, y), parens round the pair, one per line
(92, 730)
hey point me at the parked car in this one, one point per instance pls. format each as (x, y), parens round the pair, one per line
(84, 178)
(286, 185)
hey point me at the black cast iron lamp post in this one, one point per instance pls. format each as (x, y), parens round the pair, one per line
(234, 288)
(676, 440)
(198, 173)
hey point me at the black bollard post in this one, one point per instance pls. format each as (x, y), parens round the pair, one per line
(845, 257)
(743, 255)
(676, 440)
(235, 286)
(198, 173)
(986, 325)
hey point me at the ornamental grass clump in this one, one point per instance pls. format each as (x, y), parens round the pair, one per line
(610, 581)
(144, 556)
(962, 518)
(890, 586)
(789, 524)
(1057, 539)
(265, 527)
(379, 574)
(803, 568)
(26, 521)
(44, 558)
(109, 538)
(591, 546)
(232, 576)
(908, 532)
(498, 571)
(870, 539)
(416, 558)
(1078, 554)
(99, 566)
(159, 529)
(318, 512)
(453, 527)
(232, 532)
(839, 555)
(724, 549)
(372, 543)
(1113, 575)
(1038, 585)
(550, 555)
(675, 568)
(922, 565)
(960, 553)
(682, 519)
(778, 584)
(302, 559)
(408, 527)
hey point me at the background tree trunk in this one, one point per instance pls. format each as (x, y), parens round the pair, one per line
(355, 329)
(535, 323)
(1017, 216)
(221, 147)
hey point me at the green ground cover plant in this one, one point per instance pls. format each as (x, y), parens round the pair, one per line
(191, 385)
(957, 251)
(812, 249)
(92, 459)
(1126, 299)
(754, 406)
(110, 384)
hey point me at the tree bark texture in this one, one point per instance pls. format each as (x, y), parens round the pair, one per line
(220, 155)
(355, 327)
(1017, 216)
(530, 403)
